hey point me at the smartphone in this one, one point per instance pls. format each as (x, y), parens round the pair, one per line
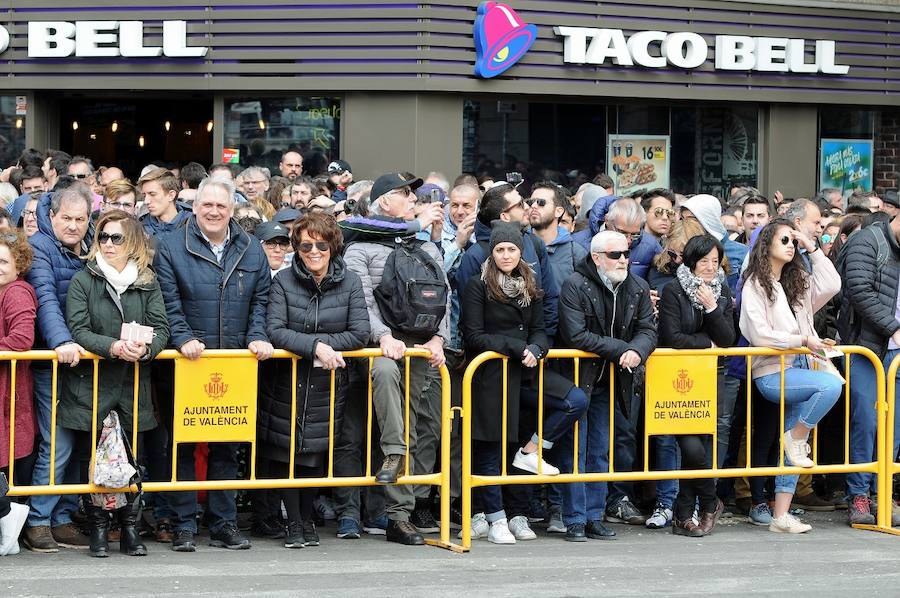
(514, 178)
(436, 196)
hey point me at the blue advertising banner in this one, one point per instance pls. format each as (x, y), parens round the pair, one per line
(846, 164)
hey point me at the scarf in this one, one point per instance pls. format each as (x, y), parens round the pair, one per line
(691, 283)
(512, 286)
(119, 281)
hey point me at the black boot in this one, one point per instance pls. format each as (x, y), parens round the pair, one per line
(130, 542)
(98, 523)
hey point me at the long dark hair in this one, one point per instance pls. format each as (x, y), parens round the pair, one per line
(522, 270)
(794, 277)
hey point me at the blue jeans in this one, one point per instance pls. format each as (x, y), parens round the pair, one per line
(808, 396)
(52, 510)
(222, 465)
(863, 422)
(560, 415)
(486, 457)
(666, 460)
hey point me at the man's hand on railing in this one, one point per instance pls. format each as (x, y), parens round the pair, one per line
(391, 347)
(70, 353)
(262, 349)
(436, 346)
(192, 349)
(630, 359)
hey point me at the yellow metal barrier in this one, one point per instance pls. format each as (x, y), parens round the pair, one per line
(887, 456)
(440, 479)
(470, 481)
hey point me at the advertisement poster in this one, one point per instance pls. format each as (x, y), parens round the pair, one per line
(845, 164)
(638, 162)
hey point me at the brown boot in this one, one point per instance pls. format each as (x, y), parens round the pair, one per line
(811, 502)
(686, 528)
(708, 520)
(393, 467)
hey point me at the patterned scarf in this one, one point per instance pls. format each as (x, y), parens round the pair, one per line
(691, 283)
(512, 286)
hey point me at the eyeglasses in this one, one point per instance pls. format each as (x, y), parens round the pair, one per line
(120, 205)
(786, 239)
(80, 176)
(116, 238)
(540, 202)
(658, 212)
(320, 245)
(673, 255)
(512, 207)
(28, 213)
(627, 235)
(259, 182)
(616, 255)
(273, 243)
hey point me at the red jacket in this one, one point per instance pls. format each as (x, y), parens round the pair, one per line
(18, 307)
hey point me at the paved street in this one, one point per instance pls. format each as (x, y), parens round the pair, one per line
(737, 559)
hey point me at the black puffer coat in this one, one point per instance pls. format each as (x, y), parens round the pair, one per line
(300, 315)
(682, 326)
(869, 300)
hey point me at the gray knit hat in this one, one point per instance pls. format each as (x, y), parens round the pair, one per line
(505, 232)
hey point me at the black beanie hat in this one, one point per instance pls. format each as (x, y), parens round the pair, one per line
(505, 232)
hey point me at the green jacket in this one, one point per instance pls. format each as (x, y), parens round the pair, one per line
(94, 316)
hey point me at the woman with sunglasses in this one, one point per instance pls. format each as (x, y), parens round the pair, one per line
(117, 286)
(779, 300)
(697, 312)
(662, 270)
(316, 309)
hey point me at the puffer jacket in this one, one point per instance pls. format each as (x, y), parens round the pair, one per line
(153, 226)
(869, 302)
(52, 269)
(596, 319)
(221, 305)
(367, 260)
(95, 315)
(564, 254)
(300, 315)
(596, 218)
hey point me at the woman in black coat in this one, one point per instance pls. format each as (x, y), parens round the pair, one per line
(316, 309)
(502, 311)
(696, 311)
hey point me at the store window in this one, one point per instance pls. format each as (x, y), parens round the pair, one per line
(262, 129)
(12, 130)
(705, 149)
(846, 149)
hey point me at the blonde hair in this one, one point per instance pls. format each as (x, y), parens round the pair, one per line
(119, 187)
(135, 246)
(682, 232)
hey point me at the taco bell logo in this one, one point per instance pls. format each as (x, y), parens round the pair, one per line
(501, 39)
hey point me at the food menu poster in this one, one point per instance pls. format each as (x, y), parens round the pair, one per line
(638, 162)
(845, 164)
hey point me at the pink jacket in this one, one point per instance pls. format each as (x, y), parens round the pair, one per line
(765, 324)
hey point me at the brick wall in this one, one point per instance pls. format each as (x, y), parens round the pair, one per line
(887, 150)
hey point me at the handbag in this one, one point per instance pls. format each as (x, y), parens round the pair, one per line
(114, 465)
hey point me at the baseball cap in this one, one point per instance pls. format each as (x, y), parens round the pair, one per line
(271, 230)
(425, 192)
(891, 197)
(338, 167)
(286, 215)
(394, 180)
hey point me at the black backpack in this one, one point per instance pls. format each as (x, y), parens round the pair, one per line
(412, 295)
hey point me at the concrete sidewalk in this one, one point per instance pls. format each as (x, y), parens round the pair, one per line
(737, 559)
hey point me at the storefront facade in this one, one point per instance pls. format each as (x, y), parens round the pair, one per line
(697, 94)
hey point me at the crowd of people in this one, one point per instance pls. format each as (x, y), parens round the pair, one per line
(231, 258)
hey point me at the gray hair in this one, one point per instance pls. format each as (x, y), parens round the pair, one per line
(604, 239)
(469, 189)
(797, 209)
(626, 212)
(251, 170)
(217, 183)
(439, 179)
(361, 188)
(73, 193)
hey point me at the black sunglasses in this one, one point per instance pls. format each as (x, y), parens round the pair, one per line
(540, 202)
(673, 255)
(116, 238)
(615, 255)
(786, 239)
(320, 245)
(80, 176)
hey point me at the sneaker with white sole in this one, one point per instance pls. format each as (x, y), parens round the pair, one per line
(480, 527)
(760, 514)
(788, 524)
(556, 525)
(529, 462)
(796, 452)
(519, 527)
(661, 517)
(500, 534)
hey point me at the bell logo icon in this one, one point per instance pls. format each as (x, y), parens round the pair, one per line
(501, 39)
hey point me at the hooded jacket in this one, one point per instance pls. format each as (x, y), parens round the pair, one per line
(564, 254)
(153, 226)
(708, 212)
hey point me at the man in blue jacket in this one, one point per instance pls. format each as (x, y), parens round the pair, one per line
(215, 281)
(547, 204)
(58, 249)
(160, 188)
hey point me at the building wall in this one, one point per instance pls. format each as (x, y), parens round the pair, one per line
(887, 151)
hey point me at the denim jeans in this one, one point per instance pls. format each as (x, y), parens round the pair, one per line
(863, 422)
(486, 457)
(560, 414)
(666, 460)
(222, 465)
(808, 396)
(52, 510)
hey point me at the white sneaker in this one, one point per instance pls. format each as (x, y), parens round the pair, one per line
(480, 527)
(796, 452)
(11, 527)
(519, 527)
(500, 533)
(529, 462)
(661, 517)
(788, 524)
